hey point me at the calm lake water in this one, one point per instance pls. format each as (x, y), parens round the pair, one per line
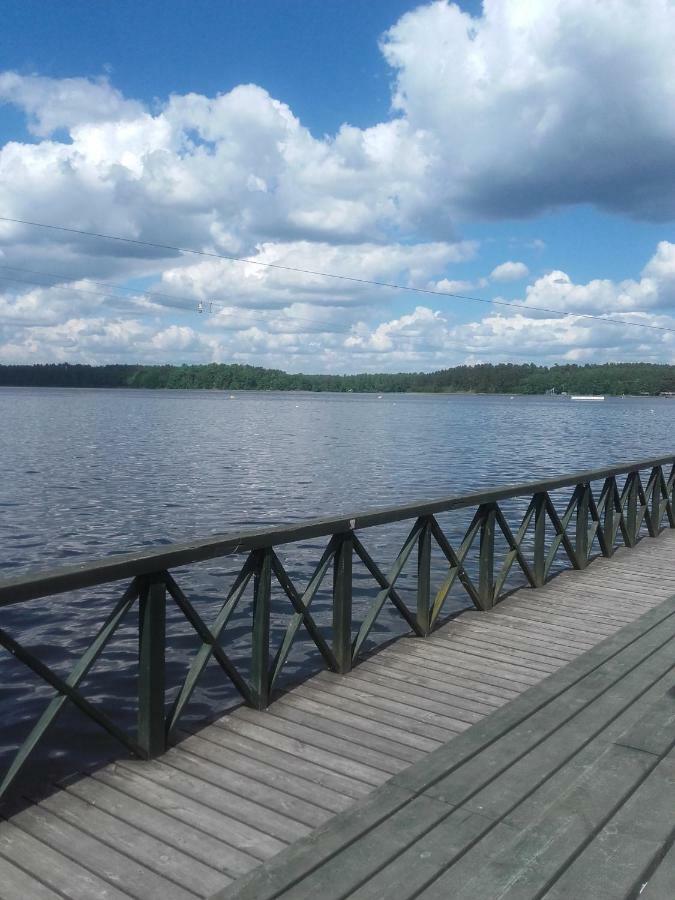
(87, 473)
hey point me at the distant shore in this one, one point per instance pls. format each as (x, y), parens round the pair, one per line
(610, 379)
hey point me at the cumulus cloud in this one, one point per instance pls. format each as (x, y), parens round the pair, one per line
(509, 271)
(351, 334)
(534, 105)
(51, 104)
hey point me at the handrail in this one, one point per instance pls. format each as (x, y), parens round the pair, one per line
(46, 583)
(613, 513)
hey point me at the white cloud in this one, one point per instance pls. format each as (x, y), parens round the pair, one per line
(66, 102)
(527, 107)
(509, 271)
(543, 103)
(350, 333)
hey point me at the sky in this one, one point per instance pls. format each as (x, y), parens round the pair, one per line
(521, 152)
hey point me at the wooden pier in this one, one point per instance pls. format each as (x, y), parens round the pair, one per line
(521, 750)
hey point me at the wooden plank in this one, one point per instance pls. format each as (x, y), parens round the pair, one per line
(586, 706)
(533, 614)
(19, 885)
(475, 875)
(424, 695)
(482, 671)
(571, 637)
(353, 743)
(411, 703)
(422, 863)
(79, 847)
(214, 852)
(617, 655)
(659, 883)
(500, 639)
(266, 776)
(403, 669)
(541, 665)
(511, 640)
(53, 869)
(405, 718)
(262, 794)
(497, 633)
(311, 745)
(472, 876)
(165, 860)
(236, 833)
(272, 753)
(518, 620)
(207, 794)
(628, 844)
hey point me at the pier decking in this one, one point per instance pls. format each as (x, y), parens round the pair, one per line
(521, 751)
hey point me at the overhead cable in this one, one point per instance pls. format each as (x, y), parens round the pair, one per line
(332, 275)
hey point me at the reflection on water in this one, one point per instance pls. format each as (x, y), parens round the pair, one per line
(87, 473)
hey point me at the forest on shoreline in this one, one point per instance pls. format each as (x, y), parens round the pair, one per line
(504, 378)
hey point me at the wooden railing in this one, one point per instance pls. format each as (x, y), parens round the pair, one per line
(607, 507)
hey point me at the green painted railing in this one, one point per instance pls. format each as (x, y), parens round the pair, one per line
(607, 507)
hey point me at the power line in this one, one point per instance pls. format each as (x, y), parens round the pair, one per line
(349, 278)
(206, 306)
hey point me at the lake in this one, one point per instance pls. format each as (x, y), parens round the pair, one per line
(87, 473)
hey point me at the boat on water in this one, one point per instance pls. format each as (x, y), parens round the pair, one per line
(587, 397)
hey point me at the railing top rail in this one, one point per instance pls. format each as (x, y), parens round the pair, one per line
(33, 585)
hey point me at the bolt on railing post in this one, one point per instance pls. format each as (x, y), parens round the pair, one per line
(486, 558)
(539, 568)
(631, 519)
(342, 603)
(260, 638)
(424, 578)
(151, 667)
(582, 526)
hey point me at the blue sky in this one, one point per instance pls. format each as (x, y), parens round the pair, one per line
(514, 151)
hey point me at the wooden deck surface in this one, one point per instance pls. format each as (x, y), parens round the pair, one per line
(239, 792)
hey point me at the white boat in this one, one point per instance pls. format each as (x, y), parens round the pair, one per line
(587, 397)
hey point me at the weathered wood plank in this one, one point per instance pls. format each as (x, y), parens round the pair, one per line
(267, 750)
(405, 719)
(413, 869)
(154, 854)
(19, 885)
(299, 718)
(453, 682)
(504, 737)
(239, 835)
(659, 883)
(628, 844)
(408, 703)
(262, 794)
(53, 869)
(208, 849)
(310, 744)
(210, 796)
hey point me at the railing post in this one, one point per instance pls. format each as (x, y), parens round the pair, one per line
(486, 559)
(582, 526)
(631, 518)
(539, 569)
(655, 516)
(424, 578)
(609, 489)
(342, 603)
(260, 638)
(151, 667)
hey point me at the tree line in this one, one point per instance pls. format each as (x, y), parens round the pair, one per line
(504, 378)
